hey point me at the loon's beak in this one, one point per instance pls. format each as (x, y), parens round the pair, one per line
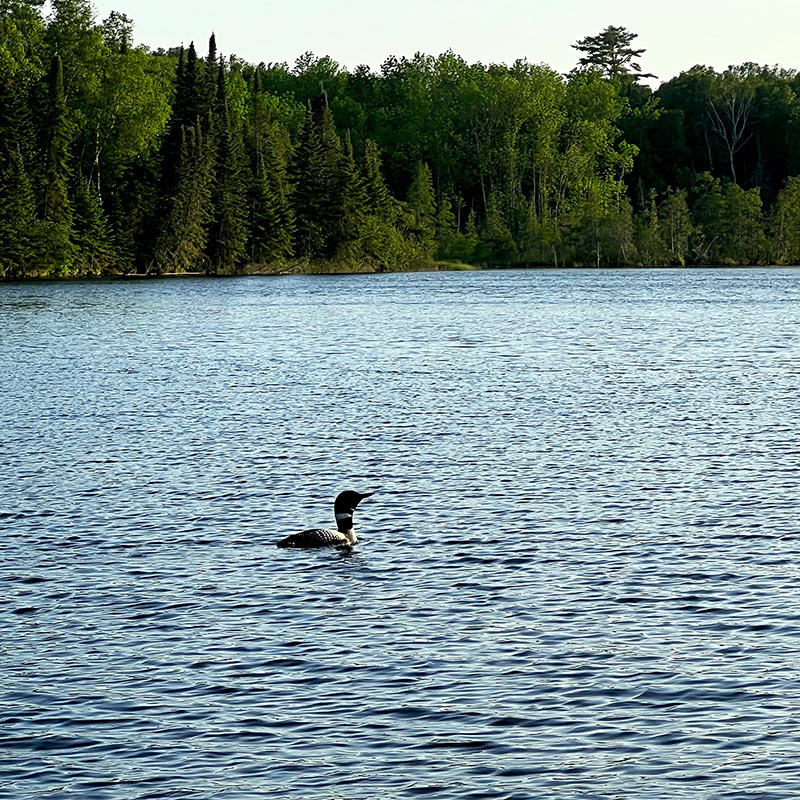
(366, 494)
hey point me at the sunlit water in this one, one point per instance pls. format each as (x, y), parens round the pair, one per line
(579, 578)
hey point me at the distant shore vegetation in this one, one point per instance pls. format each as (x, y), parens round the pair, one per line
(116, 159)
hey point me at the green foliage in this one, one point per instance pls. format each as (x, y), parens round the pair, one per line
(730, 223)
(497, 245)
(18, 225)
(741, 124)
(182, 244)
(314, 76)
(228, 232)
(270, 218)
(207, 88)
(22, 31)
(56, 211)
(189, 98)
(92, 236)
(467, 245)
(421, 217)
(648, 236)
(611, 52)
(127, 114)
(119, 158)
(599, 233)
(785, 224)
(385, 247)
(133, 206)
(310, 193)
(676, 227)
(328, 177)
(447, 233)
(353, 205)
(118, 32)
(378, 197)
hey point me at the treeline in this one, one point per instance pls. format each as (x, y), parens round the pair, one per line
(115, 158)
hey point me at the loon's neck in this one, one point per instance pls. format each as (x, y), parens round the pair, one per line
(344, 524)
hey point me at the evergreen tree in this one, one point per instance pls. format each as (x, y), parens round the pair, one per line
(188, 99)
(353, 208)
(18, 224)
(172, 143)
(447, 234)
(133, 205)
(118, 32)
(269, 214)
(468, 242)
(269, 211)
(187, 166)
(306, 189)
(93, 238)
(385, 246)
(186, 110)
(210, 80)
(497, 243)
(330, 181)
(182, 244)
(56, 210)
(19, 244)
(228, 235)
(378, 196)
(422, 211)
(315, 172)
(611, 51)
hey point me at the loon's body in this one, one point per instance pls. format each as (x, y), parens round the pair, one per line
(343, 508)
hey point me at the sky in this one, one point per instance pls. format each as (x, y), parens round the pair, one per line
(677, 34)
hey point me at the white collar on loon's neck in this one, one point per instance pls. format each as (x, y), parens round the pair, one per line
(344, 522)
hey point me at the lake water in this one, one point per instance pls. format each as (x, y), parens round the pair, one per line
(580, 576)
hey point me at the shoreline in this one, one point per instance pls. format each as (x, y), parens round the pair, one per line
(439, 266)
(252, 271)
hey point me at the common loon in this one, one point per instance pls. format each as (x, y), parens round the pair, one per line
(343, 508)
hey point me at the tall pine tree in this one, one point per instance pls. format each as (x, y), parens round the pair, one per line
(18, 224)
(307, 190)
(93, 235)
(353, 206)
(269, 214)
(422, 212)
(447, 234)
(56, 210)
(188, 100)
(182, 244)
(329, 170)
(208, 87)
(228, 234)
(381, 202)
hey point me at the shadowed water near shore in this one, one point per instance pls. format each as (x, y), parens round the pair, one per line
(579, 578)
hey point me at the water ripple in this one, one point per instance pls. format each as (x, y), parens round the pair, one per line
(578, 578)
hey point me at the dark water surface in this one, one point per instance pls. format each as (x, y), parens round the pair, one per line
(579, 579)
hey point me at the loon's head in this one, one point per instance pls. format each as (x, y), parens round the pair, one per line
(345, 506)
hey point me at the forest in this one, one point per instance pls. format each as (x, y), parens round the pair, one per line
(119, 159)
